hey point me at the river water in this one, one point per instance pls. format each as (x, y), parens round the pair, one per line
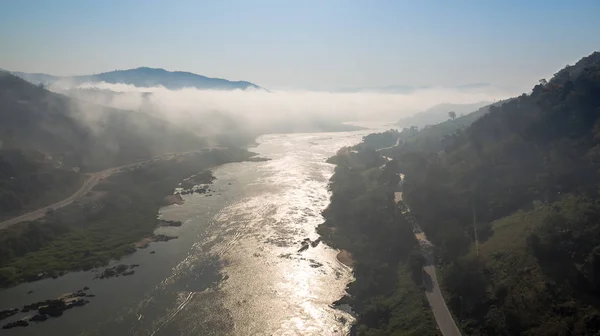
(235, 268)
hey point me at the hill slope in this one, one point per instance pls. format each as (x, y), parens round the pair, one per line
(81, 134)
(512, 203)
(439, 113)
(434, 138)
(46, 139)
(145, 77)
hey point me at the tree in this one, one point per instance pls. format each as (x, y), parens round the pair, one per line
(416, 261)
(452, 115)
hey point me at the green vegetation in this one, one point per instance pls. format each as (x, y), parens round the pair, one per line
(510, 198)
(363, 219)
(511, 203)
(28, 183)
(440, 113)
(47, 140)
(91, 233)
(380, 140)
(408, 308)
(513, 286)
(72, 133)
(434, 138)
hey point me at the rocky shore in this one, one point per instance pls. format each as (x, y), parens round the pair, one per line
(46, 309)
(116, 271)
(306, 243)
(153, 238)
(345, 258)
(123, 210)
(258, 159)
(174, 199)
(169, 223)
(205, 177)
(198, 189)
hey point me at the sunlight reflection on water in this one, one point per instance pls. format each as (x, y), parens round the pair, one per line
(236, 268)
(270, 287)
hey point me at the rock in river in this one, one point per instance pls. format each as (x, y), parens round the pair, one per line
(170, 223)
(116, 271)
(19, 323)
(39, 318)
(8, 312)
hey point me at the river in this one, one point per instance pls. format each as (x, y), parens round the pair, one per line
(235, 268)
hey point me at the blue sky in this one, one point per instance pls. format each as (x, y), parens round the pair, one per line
(325, 44)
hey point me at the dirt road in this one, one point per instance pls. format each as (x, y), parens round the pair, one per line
(90, 182)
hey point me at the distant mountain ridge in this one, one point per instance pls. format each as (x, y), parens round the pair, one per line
(144, 77)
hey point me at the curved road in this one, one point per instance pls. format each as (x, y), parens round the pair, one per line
(442, 315)
(91, 182)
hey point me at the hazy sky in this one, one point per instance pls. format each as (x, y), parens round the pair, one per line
(323, 44)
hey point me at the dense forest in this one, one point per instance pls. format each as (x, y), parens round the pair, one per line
(512, 205)
(363, 219)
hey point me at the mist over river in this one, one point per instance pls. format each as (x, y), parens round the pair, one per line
(235, 268)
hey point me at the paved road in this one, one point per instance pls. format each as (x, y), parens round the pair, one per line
(440, 311)
(442, 315)
(89, 183)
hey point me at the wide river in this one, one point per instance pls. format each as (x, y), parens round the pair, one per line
(235, 268)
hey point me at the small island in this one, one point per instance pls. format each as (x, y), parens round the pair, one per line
(44, 310)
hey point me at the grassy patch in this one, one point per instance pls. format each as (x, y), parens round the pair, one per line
(507, 290)
(411, 314)
(505, 274)
(506, 253)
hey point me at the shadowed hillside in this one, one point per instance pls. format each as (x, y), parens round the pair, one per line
(74, 133)
(47, 140)
(511, 203)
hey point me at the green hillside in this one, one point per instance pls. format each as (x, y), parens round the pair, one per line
(511, 204)
(48, 140)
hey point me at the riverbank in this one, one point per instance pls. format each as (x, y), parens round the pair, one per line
(87, 235)
(345, 258)
(235, 259)
(373, 236)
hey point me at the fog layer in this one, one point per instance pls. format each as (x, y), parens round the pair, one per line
(261, 109)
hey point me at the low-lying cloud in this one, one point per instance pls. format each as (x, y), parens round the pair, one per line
(260, 108)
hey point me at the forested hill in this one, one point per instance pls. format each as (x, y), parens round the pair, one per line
(439, 113)
(429, 139)
(74, 133)
(47, 140)
(512, 204)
